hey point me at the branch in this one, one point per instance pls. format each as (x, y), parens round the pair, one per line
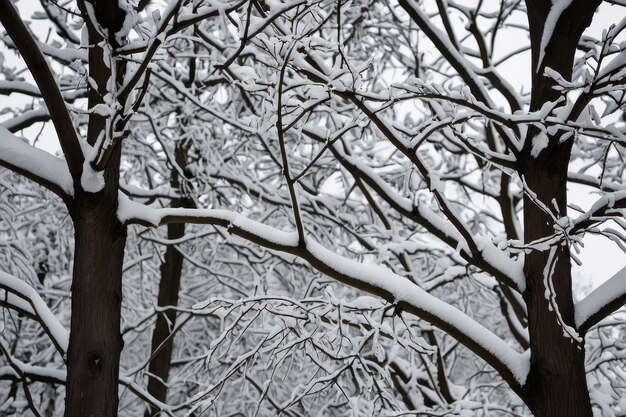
(50, 92)
(491, 260)
(592, 181)
(18, 87)
(373, 279)
(602, 301)
(609, 205)
(57, 376)
(27, 119)
(35, 164)
(38, 307)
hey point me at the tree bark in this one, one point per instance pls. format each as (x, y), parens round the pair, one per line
(95, 345)
(95, 340)
(162, 347)
(556, 384)
(169, 287)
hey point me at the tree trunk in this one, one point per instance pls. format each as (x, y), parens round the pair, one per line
(95, 345)
(556, 385)
(161, 352)
(95, 339)
(169, 287)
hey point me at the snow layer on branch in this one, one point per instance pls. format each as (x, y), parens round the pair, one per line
(18, 153)
(129, 210)
(373, 276)
(38, 307)
(558, 7)
(501, 261)
(617, 64)
(404, 290)
(606, 293)
(539, 143)
(130, 21)
(91, 180)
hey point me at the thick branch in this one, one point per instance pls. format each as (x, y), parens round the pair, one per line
(602, 301)
(50, 92)
(370, 278)
(35, 164)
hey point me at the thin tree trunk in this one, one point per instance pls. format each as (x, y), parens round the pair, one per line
(95, 340)
(162, 347)
(169, 287)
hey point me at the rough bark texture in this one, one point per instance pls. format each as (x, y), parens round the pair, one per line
(95, 340)
(556, 385)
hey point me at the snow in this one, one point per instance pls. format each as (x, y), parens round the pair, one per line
(31, 370)
(539, 143)
(380, 279)
(403, 291)
(617, 64)
(16, 152)
(67, 54)
(37, 114)
(513, 268)
(130, 21)
(558, 7)
(18, 87)
(130, 211)
(39, 307)
(611, 290)
(603, 204)
(91, 180)
(366, 302)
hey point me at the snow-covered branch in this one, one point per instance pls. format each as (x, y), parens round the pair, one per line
(370, 278)
(24, 297)
(602, 301)
(46, 82)
(35, 164)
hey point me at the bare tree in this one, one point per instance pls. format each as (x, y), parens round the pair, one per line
(380, 144)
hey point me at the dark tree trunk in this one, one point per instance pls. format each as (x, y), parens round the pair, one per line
(169, 287)
(162, 346)
(95, 340)
(95, 346)
(556, 385)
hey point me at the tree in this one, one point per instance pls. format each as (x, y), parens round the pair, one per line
(379, 142)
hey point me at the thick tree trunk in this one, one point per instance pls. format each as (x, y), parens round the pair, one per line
(95, 346)
(556, 385)
(95, 340)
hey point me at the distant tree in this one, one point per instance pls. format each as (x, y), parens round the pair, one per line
(380, 144)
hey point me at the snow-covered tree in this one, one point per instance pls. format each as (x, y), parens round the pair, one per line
(385, 145)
